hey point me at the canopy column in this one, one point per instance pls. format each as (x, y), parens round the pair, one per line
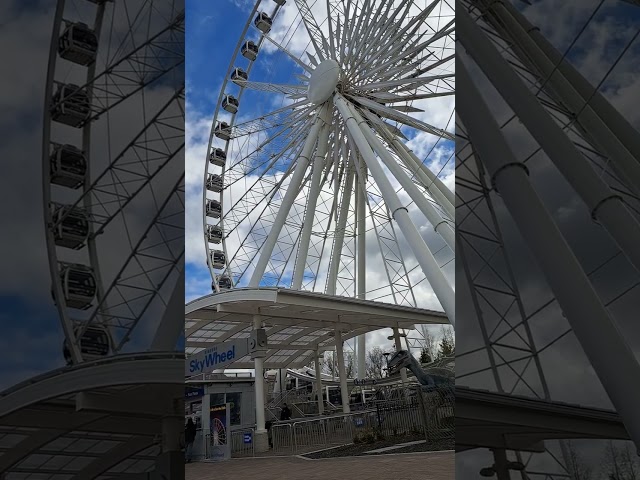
(342, 372)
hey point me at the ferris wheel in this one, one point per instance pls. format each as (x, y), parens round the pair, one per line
(311, 162)
(112, 161)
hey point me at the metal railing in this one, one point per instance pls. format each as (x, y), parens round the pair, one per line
(243, 442)
(414, 412)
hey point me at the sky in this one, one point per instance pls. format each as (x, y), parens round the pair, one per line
(211, 38)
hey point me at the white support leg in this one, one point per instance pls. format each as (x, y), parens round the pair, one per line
(312, 200)
(261, 437)
(289, 197)
(342, 372)
(439, 191)
(319, 391)
(172, 324)
(605, 206)
(429, 266)
(595, 127)
(334, 265)
(441, 227)
(627, 134)
(361, 263)
(596, 331)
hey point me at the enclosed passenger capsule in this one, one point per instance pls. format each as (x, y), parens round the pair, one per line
(230, 103)
(214, 183)
(214, 209)
(71, 226)
(78, 285)
(263, 22)
(238, 76)
(78, 44)
(249, 50)
(214, 234)
(217, 258)
(70, 105)
(224, 282)
(95, 343)
(67, 166)
(223, 131)
(218, 157)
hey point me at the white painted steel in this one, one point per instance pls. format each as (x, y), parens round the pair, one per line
(586, 314)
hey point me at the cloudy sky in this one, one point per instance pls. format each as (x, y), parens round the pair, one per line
(607, 54)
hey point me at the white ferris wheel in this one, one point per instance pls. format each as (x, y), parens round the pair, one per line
(112, 160)
(311, 179)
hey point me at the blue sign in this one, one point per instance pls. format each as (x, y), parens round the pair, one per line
(217, 357)
(247, 437)
(194, 392)
(359, 421)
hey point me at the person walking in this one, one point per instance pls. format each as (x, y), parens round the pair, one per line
(286, 413)
(189, 438)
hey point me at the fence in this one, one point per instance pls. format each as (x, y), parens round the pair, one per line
(313, 433)
(242, 442)
(409, 411)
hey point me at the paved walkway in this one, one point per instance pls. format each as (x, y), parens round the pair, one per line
(413, 466)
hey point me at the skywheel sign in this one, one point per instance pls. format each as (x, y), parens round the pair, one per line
(216, 357)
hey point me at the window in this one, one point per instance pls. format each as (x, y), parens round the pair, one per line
(235, 407)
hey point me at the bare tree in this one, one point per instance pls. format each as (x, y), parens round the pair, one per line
(428, 353)
(330, 364)
(447, 344)
(620, 463)
(375, 363)
(577, 465)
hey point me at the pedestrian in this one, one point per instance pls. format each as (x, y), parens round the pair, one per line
(286, 413)
(189, 438)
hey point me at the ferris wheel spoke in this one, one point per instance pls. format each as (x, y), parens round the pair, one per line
(152, 262)
(133, 72)
(159, 138)
(298, 61)
(393, 114)
(315, 34)
(272, 87)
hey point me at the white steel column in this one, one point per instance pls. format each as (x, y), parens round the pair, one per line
(312, 199)
(289, 197)
(605, 206)
(616, 122)
(441, 227)
(436, 278)
(342, 372)
(594, 126)
(596, 331)
(341, 226)
(361, 225)
(439, 191)
(319, 391)
(258, 364)
(396, 338)
(172, 322)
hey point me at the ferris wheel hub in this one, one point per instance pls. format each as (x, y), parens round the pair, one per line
(323, 82)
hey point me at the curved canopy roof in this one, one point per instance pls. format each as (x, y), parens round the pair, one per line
(297, 322)
(90, 421)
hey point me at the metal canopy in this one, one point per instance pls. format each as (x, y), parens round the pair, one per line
(297, 322)
(93, 421)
